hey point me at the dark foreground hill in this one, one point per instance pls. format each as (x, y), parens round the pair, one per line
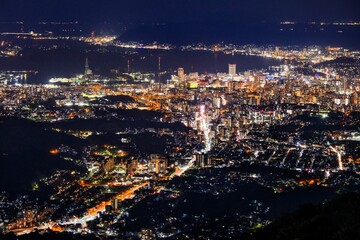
(25, 156)
(336, 219)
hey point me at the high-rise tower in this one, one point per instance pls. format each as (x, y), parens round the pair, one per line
(159, 64)
(232, 69)
(87, 68)
(181, 74)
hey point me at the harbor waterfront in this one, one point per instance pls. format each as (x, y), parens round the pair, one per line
(148, 120)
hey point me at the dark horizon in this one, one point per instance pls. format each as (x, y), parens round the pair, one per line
(171, 11)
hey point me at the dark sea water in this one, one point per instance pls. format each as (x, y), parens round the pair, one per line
(69, 62)
(302, 34)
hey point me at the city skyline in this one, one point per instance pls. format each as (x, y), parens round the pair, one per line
(147, 120)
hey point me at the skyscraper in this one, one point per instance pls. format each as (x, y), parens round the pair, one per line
(115, 204)
(161, 163)
(181, 74)
(159, 64)
(232, 69)
(87, 68)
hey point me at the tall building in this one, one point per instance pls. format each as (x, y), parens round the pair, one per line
(161, 163)
(194, 76)
(231, 86)
(87, 68)
(202, 160)
(232, 69)
(159, 64)
(181, 74)
(131, 166)
(109, 166)
(115, 204)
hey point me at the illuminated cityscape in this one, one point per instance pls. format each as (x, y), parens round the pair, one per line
(107, 133)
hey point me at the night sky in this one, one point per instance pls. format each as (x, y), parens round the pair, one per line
(177, 11)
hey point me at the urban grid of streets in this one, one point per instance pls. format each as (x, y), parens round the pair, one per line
(219, 117)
